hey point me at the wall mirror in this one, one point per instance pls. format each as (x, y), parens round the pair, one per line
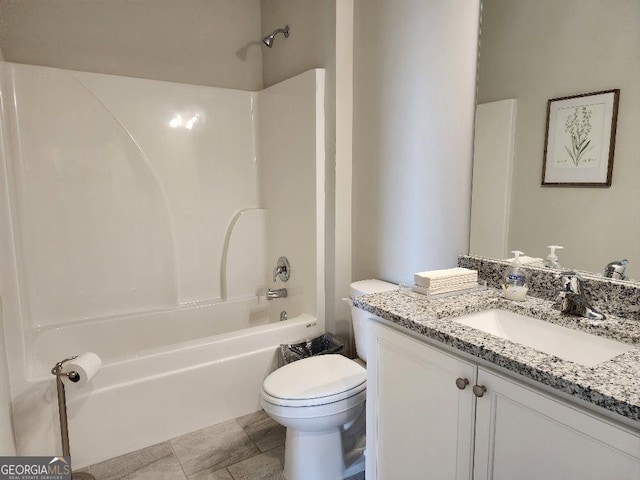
(531, 52)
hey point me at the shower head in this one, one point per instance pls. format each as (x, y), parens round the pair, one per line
(268, 40)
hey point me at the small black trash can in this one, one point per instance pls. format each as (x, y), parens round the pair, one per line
(322, 345)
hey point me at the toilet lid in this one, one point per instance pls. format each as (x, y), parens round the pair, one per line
(315, 377)
(363, 287)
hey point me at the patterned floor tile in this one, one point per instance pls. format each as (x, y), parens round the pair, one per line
(266, 466)
(153, 463)
(265, 432)
(213, 448)
(222, 474)
(222, 452)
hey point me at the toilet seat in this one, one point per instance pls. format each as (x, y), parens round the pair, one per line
(281, 412)
(318, 380)
(315, 402)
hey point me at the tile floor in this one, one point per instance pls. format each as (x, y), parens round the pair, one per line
(247, 448)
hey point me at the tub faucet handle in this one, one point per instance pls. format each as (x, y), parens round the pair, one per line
(282, 270)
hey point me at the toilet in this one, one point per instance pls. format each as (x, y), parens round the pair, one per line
(321, 401)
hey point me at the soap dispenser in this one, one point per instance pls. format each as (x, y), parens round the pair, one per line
(552, 259)
(515, 284)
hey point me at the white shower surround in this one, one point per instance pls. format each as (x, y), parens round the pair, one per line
(152, 212)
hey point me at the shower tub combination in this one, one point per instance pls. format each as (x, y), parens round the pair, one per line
(143, 397)
(141, 220)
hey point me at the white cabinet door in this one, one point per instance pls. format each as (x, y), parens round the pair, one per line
(527, 435)
(419, 424)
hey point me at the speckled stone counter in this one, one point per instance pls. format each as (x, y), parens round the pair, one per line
(613, 297)
(613, 385)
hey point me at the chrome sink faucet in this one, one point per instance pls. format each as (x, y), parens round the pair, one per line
(616, 269)
(573, 301)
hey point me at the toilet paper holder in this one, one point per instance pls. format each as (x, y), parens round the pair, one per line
(62, 410)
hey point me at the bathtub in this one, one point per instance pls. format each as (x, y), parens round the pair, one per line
(165, 374)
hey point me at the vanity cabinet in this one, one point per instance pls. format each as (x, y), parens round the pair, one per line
(405, 381)
(424, 422)
(526, 434)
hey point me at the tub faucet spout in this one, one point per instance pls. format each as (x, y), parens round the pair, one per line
(277, 293)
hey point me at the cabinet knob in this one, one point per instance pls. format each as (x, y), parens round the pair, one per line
(479, 390)
(462, 383)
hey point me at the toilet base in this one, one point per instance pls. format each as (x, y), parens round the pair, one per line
(314, 446)
(313, 455)
(319, 456)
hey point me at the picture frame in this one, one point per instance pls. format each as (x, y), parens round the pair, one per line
(580, 140)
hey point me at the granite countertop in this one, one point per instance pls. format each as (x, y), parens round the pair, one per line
(613, 385)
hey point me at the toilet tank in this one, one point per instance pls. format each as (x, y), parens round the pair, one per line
(359, 317)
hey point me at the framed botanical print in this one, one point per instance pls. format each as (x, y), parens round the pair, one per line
(580, 140)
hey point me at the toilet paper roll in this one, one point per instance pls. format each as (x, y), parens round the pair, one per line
(86, 365)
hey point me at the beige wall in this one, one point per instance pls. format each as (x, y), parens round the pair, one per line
(534, 51)
(341, 175)
(205, 42)
(305, 49)
(7, 440)
(414, 92)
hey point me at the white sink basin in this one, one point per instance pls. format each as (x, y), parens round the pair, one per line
(566, 343)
